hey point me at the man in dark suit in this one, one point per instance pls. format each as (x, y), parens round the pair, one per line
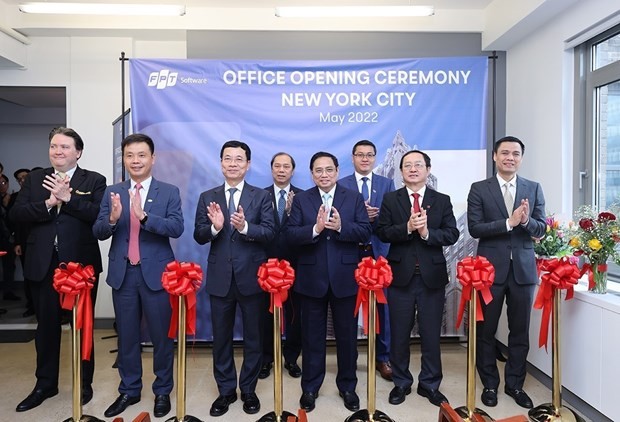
(140, 215)
(373, 187)
(505, 212)
(418, 222)
(60, 205)
(282, 193)
(327, 223)
(237, 219)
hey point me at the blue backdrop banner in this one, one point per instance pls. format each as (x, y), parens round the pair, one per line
(191, 107)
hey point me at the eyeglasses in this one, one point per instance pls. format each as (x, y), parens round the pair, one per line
(328, 170)
(236, 160)
(417, 166)
(361, 155)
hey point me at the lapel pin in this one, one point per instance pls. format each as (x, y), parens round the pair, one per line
(149, 200)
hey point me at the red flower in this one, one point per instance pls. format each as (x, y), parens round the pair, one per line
(606, 216)
(587, 224)
(578, 252)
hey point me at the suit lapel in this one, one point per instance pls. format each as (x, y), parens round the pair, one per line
(520, 191)
(404, 202)
(124, 194)
(429, 199)
(339, 196)
(151, 196)
(496, 193)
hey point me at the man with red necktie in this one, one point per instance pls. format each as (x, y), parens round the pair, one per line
(418, 222)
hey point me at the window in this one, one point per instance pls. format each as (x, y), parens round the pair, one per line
(597, 123)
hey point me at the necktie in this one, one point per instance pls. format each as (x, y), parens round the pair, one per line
(416, 202)
(62, 176)
(134, 231)
(281, 204)
(365, 192)
(508, 199)
(231, 202)
(326, 198)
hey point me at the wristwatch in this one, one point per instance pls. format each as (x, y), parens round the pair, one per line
(146, 217)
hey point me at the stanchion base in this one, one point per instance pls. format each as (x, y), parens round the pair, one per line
(365, 416)
(85, 418)
(463, 412)
(186, 418)
(546, 413)
(271, 417)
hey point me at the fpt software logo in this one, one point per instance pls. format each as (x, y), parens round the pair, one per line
(163, 79)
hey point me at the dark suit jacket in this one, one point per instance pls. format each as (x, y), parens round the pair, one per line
(231, 251)
(165, 220)
(486, 218)
(72, 226)
(328, 260)
(279, 248)
(406, 249)
(380, 186)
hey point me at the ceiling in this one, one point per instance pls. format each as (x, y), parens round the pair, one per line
(501, 23)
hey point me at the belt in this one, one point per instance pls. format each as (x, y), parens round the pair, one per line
(133, 264)
(365, 247)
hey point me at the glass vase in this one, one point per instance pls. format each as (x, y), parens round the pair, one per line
(599, 276)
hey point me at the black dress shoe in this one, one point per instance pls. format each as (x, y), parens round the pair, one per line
(293, 369)
(434, 396)
(520, 396)
(162, 405)
(398, 394)
(350, 399)
(11, 296)
(489, 397)
(87, 394)
(120, 404)
(220, 405)
(265, 370)
(35, 398)
(251, 403)
(307, 400)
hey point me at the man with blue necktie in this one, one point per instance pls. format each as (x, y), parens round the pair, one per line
(327, 223)
(373, 187)
(237, 219)
(282, 193)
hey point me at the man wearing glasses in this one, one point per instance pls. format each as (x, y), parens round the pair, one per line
(327, 223)
(237, 219)
(418, 222)
(373, 187)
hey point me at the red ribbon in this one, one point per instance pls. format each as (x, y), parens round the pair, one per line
(479, 273)
(182, 279)
(371, 275)
(72, 280)
(2, 253)
(276, 277)
(557, 273)
(587, 268)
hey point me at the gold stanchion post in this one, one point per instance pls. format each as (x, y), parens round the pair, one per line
(470, 412)
(555, 411)
(181, 368)
(371, 414)
(278, 415)
(76, 353)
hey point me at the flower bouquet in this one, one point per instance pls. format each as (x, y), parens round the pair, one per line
(555, 241)
(596, 238)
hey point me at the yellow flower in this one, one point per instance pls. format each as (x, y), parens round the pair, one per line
(574, 242)
(595, 244)
(548, 228)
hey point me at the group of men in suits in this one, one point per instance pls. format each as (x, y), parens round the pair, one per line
(324, 231)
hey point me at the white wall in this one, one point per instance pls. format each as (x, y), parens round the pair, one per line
(539, 110)
(90, 69)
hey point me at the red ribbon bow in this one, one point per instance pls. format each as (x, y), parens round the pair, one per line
(2, 253)
(182, 279)
(276, 277)
(371, 275)
(479, 273)
(72, 280)
(587, 268)
(556, 274)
